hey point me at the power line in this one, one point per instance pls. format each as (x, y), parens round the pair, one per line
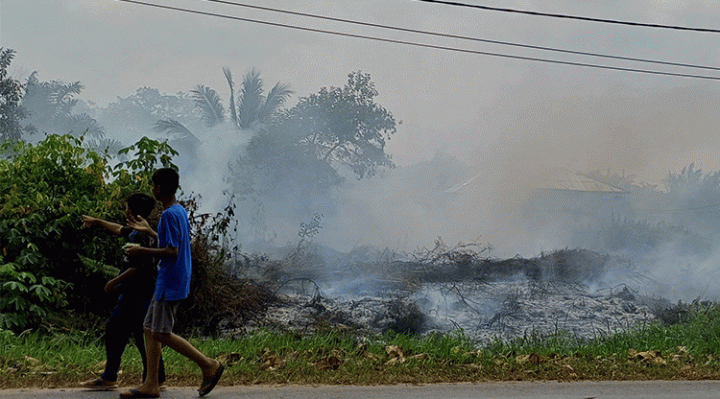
(543, 14)
(451, 36)
(416, 44)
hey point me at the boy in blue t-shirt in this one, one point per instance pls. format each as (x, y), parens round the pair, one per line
(172, 285)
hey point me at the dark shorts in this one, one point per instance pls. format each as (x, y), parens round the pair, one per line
(160, 317)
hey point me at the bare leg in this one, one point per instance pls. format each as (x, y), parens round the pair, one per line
(153, 350)
(180, 345)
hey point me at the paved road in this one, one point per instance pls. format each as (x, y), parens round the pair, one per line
(524, 390)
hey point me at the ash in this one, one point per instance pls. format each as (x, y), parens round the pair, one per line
(487, 299)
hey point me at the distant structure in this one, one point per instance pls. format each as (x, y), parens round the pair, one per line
(563, 207)
(562, 192)
(566, 194)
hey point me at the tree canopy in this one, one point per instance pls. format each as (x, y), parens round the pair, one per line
(306, 149)
(11, 92)
(344, 125)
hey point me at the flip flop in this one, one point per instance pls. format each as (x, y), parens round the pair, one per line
(210, 382)
(134, 393)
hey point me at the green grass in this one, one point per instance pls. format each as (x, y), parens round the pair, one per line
(686, 350)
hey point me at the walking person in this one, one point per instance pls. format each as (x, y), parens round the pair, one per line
(172, 285)
(135, 284)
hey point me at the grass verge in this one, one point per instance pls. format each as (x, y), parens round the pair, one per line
(686, 350)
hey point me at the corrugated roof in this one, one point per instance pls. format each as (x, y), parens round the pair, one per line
(564, 179)
(557, 179)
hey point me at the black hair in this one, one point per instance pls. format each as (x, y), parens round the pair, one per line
(140, 204)
(167, 179)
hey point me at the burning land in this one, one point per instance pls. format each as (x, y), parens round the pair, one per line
(443, 289)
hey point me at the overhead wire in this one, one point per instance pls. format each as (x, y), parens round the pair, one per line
(566, 16)
(460, 37)
(416, 44)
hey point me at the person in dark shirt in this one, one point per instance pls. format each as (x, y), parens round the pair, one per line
(135, 285)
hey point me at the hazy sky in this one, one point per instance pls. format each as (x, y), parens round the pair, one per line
(484, 109)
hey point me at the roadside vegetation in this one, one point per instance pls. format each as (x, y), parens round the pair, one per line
(686, 349)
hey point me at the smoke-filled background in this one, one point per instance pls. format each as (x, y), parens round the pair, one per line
(523, 155)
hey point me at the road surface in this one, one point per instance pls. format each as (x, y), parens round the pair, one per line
(494, 390)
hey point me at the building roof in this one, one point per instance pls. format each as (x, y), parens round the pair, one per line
(556, 179)
(565, 179)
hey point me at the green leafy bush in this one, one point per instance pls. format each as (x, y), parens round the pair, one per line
(48, 262)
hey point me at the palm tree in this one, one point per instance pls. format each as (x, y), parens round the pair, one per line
(180, 137)
(253, 107)
(50, 106)
(11, 112)
(207, 99)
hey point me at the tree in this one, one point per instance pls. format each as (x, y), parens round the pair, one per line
(50, 110)
(50, 106)
(694, 196)
(345, 125)
(300, 156)
(252, 109)
(11, 91)
(135, 116)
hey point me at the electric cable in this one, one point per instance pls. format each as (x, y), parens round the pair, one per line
(416, 44)
(543, 14)
(451, 36)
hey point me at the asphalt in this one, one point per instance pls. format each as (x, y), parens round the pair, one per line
(512, 390)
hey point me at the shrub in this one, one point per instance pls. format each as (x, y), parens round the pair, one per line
(218, 300)
(48, 263)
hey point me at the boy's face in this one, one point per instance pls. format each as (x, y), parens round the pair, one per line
(128, 212)
(156, 191)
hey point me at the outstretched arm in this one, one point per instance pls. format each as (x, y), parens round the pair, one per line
(89, 221)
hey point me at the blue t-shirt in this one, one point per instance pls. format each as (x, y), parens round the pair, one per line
(173, 279)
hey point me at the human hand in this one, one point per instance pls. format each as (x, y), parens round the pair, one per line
(139, 224)
(88, 221)
(111, 286)
(132, 250)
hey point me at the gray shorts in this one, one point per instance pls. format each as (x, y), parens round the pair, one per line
(160, 317)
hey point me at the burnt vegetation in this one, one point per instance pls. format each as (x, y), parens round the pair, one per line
(236, 294)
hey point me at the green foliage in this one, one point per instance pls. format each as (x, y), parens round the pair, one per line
(11, 113)
(345, 125)
(307, 149)
(135, 115)
(695, 196)
(149, 154)
(50, 106)
(48, 262)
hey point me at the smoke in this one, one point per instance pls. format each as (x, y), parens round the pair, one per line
(479, 189)
(205, 171)
(644, 136)
(638, 135)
